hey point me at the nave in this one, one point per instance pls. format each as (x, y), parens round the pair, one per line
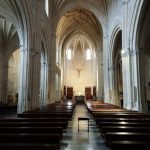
(64, 126)
(82, 140)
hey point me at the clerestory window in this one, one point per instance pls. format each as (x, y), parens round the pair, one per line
(88, 54)
(47, 7)
(69, 54)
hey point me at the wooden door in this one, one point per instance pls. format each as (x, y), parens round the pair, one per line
(64, 90)
(88, 94)
(94, 91)
(69, 92)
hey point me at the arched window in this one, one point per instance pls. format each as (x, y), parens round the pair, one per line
(47, 7)
(88, 54)
(69, 54)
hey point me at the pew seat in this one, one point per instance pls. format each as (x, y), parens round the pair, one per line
(105, 129)
(131, 124)
(130, 136)
(98, 120)
(46, 115)
(129, 145)
(30, 130)
(28, 146)
(120, 115)
(34, 120)
(30, 138)
(34, 124)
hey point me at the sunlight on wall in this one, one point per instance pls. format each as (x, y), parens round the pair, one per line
(47, 7)
(13, 77)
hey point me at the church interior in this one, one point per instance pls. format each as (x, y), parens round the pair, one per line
(73, 74)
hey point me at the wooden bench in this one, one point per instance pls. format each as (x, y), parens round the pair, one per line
(34, 124)
(109, 110)
(140, 129)
(131, 124)
(98, 120)
(34, 120)
(46, 115)
(53, 110)
(83, 119)
(53, 130)
(28, 146)
(103, 110)
(121, 115)
(30, 138)
(6, 108)
(121, 120)
(129, 136)
(129, 145)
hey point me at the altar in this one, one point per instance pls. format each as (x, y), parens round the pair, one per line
(79, 99)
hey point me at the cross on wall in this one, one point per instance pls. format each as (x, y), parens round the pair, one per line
(79, 70)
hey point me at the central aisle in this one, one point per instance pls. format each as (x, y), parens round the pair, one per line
(82, 140)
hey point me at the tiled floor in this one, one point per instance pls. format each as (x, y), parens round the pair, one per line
(82, 140)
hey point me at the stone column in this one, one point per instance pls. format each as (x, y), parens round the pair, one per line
(28, 98)
(24, 86)
(53, 66)
(126, 60)
(141, 102)
(105, 68)
(36, 57)
(100, 81)
(135, 57)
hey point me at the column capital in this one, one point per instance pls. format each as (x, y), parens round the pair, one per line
(125, 2)
(130, 52)
(133, 52)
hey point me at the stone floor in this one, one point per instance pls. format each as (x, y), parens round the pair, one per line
(82, 140)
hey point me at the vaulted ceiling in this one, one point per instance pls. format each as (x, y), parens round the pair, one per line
(98, 4)
(80, 21)
(78, 25)
(8, 36)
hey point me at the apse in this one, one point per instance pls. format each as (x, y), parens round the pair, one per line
(78, 33)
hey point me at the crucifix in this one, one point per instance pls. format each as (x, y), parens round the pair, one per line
(78, 70)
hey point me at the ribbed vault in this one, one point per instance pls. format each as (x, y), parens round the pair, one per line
(78, 24)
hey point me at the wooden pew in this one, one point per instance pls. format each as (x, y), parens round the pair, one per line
(129, 136)
(46, 115)
(7, 108)
(55, 107)
(49, 130)
(99, 120)
(40, 129)
(140, 129)
(28, 146)
(103, 110)
(131, 124)
(30, 138)
(34, 120)
(53, 110)
(34, 124)
(129, 145)
(123, 129)
(120, 115)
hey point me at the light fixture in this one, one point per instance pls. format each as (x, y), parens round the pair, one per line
(122, 51)
(79, 93)
(69, 103)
